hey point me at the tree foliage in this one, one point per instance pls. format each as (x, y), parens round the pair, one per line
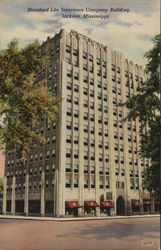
(23, 92)
(146, 106)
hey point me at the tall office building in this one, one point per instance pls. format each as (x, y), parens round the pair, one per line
(90, 163)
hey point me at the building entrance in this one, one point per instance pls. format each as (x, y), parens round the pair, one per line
(120, 206)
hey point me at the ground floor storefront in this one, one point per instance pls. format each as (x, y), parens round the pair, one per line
(89, 208)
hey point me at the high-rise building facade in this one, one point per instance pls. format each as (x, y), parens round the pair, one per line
(90, 163)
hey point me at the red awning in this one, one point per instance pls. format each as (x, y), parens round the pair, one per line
(72, 204)
(157, 202)
(136, 203)
(91, 204)
(147, 203)
(107, 204)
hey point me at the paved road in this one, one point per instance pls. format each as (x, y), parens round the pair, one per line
(118, 234)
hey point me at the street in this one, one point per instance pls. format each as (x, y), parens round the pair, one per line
(113, 234)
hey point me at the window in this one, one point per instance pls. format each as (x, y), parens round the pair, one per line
(107, 184)
(90, 57)
(68, 138)
(106, 133)
(69, 125)
(86, 155)
(100, 144)
(92, 156)
(75, 52)
(114, 111)
(76, 113)
(91, 105)
(129, 138)
(113, 89)
(85, 169)
(116, 159)
(76, 75)
(85, 183)
(98, 61)
(86, 128)
(116, 147)
(68, 152)
(76, 100)
(68, 183)
(92, 117)
(84, 55)
(121, 147)
(120, 113)
(113, 67)
(130, 161)
(47, 169)
(76, 183)
(69, 111)
(92, 93)
(105, 109)
(76, 153)
(105, 97)
(91, 69)
(117, 171)
(92, 143)
(99, 119)
(114, 101)
(101, 184)
(122, 160)
(119, 91)
(99, 84)
(100, 157)
(106, 158)
(92, 130)
(121, 136)
(53, 153)
(85, 141)
(85, 116)
(92, 183)
(69, 72)
(76, 88)
(101, 170)
(85, 79)
(85, 91)
(76, 139)
(118, 69)
(122, 172)
(84, 66)
(76, 126)
(115, 135)
(69, 98)
(100, 131)
(106, 145)
(99, 107)
(75, 168)
(105, 121)
(85, 104)
(92, 169)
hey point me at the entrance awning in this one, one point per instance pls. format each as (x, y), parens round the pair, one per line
(91, 204)
(72, 204)
(147, 203)
(107, 204)
(136, 203)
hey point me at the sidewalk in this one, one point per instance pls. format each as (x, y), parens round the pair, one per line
(76, 218)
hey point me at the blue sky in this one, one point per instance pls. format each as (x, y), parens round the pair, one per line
(130, 33)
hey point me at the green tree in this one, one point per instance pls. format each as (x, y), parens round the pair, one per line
(146, 105)
(22, 91)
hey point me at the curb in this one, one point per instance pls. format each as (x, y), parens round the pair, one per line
(76, 219)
